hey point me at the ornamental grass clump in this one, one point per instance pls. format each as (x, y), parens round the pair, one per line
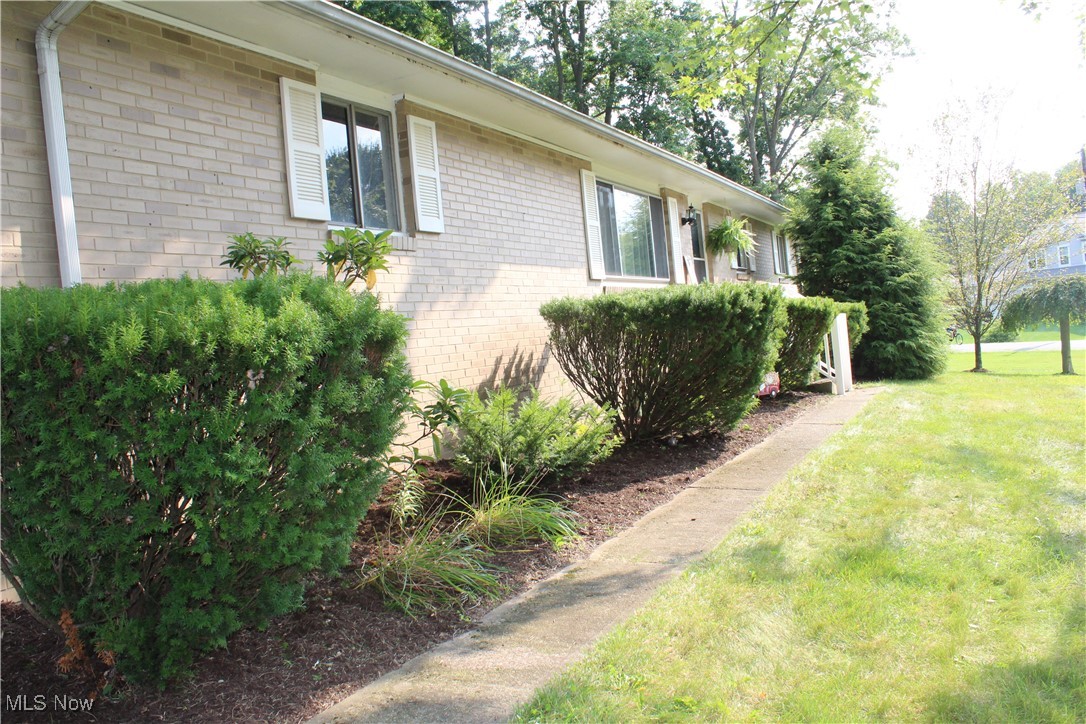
(669, 361)
(179, 454)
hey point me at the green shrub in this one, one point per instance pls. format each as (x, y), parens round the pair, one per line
(179, 454)
(670, 360)
(809, 321)
(1000, 333)
(531, 437)
(856, 314)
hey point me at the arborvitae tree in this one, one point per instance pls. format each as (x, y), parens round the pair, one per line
(853, 247)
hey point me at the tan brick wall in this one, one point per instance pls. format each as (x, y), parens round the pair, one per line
(514, 238)
(176, 143)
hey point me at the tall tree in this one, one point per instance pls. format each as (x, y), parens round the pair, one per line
(987, 219)
(853, 247)
(784, 69)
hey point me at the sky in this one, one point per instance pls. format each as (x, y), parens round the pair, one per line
(963, 48)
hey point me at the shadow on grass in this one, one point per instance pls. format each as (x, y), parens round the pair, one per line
(1049, 689)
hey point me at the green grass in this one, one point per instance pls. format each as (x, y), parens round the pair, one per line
(925, 564)
(1042, 333)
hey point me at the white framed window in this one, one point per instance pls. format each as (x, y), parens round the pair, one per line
(782, 255)
(632, 236)
(697, 240)
(1064, 254)
(358, 160)
(1036, 260)
(745, 261)
(342, 163)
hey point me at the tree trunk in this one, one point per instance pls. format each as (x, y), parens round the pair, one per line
(489, 41)
(1065, 343)
(978, 363)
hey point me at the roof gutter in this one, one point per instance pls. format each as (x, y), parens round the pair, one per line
(356, 25)
(56, 138)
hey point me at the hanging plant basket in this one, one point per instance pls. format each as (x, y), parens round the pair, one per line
(730, 236)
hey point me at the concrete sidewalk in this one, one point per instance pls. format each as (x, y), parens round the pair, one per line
(485, 674)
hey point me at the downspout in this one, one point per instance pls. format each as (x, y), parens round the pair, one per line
(56, 138)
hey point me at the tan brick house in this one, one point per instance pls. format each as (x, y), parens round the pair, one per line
(171, 125)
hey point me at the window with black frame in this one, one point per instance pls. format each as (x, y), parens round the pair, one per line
(358, 160)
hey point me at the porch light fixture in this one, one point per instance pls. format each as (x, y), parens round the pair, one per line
(689, 218)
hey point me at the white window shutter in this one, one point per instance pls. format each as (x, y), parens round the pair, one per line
(303, 132)
(678, 275)
(778, 263)
(789, 259)
(425, 174)
(592, 225)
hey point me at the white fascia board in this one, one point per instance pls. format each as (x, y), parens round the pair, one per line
(400, 43)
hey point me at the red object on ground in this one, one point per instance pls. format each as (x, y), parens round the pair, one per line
(771, 386)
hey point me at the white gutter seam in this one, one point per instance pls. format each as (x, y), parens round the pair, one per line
(352, 23)
(56, 137)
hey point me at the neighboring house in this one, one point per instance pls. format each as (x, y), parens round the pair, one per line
(1067, 256)
(186, 122)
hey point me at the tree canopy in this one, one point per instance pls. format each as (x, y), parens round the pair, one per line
(739, 90)
(988, 219)
(1061, 301)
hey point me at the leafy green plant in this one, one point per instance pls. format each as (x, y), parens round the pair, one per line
(352, 254)
(672, 360)
(405, 466)
(218, 442)
(730, 236)
(430, 570)
(250, 255)
(505, 512)
(531, 437)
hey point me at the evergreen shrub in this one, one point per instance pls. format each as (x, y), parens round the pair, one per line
(856, 314)
(673, 360)
(531, 438)
(809, 321)
(179, 454)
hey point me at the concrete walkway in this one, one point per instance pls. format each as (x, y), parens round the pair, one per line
(485, 674)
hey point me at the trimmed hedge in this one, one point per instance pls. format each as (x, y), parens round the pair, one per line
(672, 360)
(856, 312)
(179, 454)
(809, 321)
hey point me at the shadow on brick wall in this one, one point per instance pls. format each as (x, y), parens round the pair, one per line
(521, 372)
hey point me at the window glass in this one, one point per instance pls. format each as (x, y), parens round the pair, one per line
(701, 269)
(783, 265)
(358, 157)
(1065, 255)
(632, 227)
(371, 171)
(337, 159)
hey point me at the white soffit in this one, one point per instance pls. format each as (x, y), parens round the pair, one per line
(365, 55)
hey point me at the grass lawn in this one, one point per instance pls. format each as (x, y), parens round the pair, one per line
(926, 563)
(1043, 333)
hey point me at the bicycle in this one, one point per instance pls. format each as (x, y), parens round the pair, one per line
(954, 335)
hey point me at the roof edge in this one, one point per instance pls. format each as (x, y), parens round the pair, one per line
(352, 22)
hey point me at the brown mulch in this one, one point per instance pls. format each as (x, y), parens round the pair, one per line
(345, 638)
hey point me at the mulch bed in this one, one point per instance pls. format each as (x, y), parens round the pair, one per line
(345, 638)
